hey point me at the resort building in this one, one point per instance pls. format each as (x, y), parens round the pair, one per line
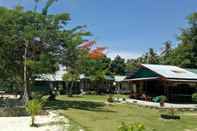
(154, 80)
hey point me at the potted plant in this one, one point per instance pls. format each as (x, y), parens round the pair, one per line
(163, 99)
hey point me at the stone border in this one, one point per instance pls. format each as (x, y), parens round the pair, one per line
(181, 107)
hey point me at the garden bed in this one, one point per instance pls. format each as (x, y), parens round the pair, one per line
(171, 117)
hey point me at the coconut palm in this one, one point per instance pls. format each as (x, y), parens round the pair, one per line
(33, 107)
(167, 47)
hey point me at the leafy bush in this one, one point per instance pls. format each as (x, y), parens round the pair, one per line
(110, 99)
(33, 107)
(131, 127)
(38, 95)
(194, 97)
(163, 98)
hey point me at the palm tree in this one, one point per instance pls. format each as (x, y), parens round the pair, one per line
(46, 7)
(36, 5)
(152, 56)
(167, 47)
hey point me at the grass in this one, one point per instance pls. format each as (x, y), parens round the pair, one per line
(92, 114)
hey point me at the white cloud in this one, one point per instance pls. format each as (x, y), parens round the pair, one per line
(123, 54)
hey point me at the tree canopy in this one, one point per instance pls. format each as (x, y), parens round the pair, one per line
(45, 37)
(183, 55)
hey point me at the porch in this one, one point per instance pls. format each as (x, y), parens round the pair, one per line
(176, 91)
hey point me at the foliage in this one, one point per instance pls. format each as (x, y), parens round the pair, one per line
(163, 98)
(118, 66)
(96, 69)
(188, 36)
(152, 57)
(110, 99)
(131, 127)
(33, 107)
(131, 65)
(183, 55)
(167, 48)
(180, 56)
(194, 97)
(97, 53)
(44, 36)
(46, 7)
(71, 76)
(166, 52)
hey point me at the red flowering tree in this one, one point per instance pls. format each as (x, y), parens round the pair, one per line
(95, 54)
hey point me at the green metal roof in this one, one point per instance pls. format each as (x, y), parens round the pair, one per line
(166, 71)
(144, 73)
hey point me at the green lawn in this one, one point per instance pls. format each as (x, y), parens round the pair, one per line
(92, 114)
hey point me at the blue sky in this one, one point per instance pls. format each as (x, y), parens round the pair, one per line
(126, 27)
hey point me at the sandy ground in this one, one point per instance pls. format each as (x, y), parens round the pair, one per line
(51, 122)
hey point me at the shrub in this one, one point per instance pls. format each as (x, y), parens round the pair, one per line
(194, 97)
(38, 95)
(163, 98)
(110, 99)
(131, 127)
(33, 107)
(124, 99)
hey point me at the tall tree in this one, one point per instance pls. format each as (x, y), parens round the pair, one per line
(152, 57)
(118, 66)
(167, 48)
(36, 5)
(131, 65)
(32, 43)
(189, 36)
(180, 56)
(166, 52)
(49, 3)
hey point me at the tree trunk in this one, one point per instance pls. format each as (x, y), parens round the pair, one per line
(70, 92)
(33, 121)
(52, 92)
(25, 98)
(25, 94)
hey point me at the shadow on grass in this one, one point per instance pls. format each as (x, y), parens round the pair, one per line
(82, 105)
